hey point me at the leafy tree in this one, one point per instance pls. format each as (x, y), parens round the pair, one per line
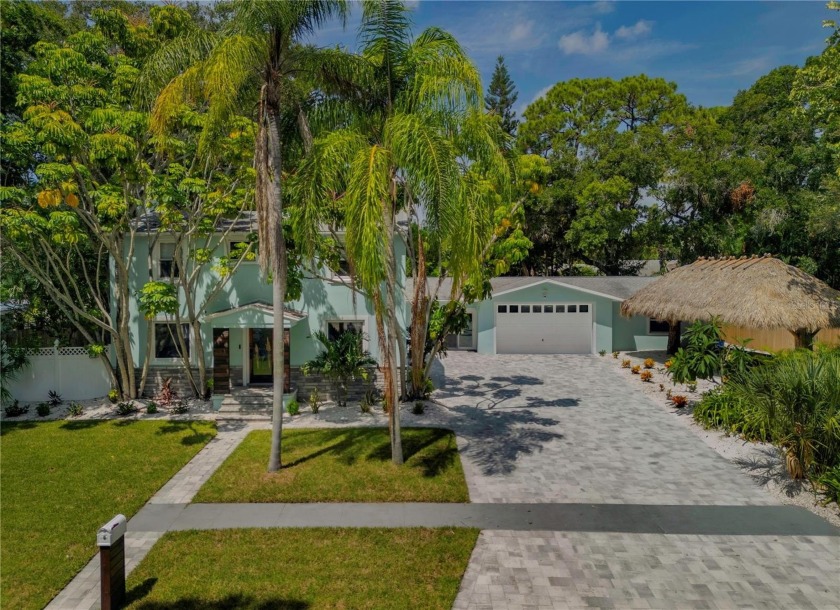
(258, 56)
(607, 143)
(501, 96)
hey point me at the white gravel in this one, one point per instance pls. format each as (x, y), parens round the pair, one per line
(762, 461)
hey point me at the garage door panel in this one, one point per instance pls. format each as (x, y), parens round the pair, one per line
(554, 332)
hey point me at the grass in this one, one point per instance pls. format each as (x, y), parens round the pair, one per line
(296, 569)
(342, 465)
(62, 480)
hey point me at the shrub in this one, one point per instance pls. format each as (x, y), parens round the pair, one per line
(419, 407)
(692, 386)
(365, 407)
(293, 408)
(179, 407)
(15, 410)
(43, 409)
(796, 396)
(615, 355)
(126, 408)
(75, 409)
(679, 401)
(649, 363)
(167, 393)
(54, 399)
(342, 360)
(829, 484)
(646, 376)
(151, 408)
(602, 353)
(113, 395)
(625, 364)
(635, 370)
(315, 400)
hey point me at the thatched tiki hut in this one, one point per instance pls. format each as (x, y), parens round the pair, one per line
(758, 292)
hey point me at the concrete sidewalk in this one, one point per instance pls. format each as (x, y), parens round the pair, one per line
(628, 518)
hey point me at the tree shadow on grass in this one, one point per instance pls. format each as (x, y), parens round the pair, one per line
(8, 427)
(197, 437)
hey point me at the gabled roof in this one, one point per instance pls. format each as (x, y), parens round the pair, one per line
(616, 288)
(289, 314)
(245, 222)
(757, 292)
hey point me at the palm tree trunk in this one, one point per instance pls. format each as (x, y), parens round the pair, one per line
(277, 255)
(392, 336)
(419, 322)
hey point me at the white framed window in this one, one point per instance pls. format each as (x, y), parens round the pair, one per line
(166, 265)
(165, 345)
(336, 328)
(658, 327)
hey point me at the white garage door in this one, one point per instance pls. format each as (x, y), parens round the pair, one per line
(544, 328)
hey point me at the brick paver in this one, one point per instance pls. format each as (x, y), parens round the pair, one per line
(570, 429)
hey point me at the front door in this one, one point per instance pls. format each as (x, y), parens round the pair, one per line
(221, 361)
(259, 349)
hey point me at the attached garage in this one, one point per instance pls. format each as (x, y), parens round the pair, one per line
(544, 328)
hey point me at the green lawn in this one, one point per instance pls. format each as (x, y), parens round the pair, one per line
(295, 569)
(62, 480)
(342, 465)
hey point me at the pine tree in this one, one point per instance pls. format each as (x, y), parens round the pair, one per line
(501, 96)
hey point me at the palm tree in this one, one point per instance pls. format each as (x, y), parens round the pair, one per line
(258, 56)
(409, 137)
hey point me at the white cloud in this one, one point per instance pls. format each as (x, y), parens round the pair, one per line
(604, 6)
(637, 30)
(585, 44)
(522, 31)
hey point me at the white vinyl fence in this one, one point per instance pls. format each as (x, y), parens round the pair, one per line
(67, 370)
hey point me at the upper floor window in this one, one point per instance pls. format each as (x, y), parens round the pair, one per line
(238, 247)
(336, 328)
(167, 262)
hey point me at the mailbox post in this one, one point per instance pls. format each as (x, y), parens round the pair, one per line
(111, 542)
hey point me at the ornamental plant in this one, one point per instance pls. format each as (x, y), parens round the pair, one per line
(635, 370)
(646, 376)
(649, 363)
(679, 401)
(625, 364)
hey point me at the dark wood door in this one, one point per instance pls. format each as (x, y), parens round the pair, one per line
(221, 361)
(260, 352)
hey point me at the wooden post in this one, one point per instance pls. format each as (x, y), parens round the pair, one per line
(673, 336)
(803, 338)
(111, 542)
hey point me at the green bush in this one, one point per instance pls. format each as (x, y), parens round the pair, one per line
(293, 408)
(125, 408)
(15, 410)
(792, 401)
(151, 408)
(419, 407)
(179, 407)
(43, 409)
(829, 484)
(75, 409)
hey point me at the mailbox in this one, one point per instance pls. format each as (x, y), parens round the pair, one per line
(111, 531)
(111, 542)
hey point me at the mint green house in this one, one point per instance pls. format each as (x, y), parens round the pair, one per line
(559, 315)
(236, 321)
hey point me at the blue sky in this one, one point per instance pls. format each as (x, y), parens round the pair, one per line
(710, 49)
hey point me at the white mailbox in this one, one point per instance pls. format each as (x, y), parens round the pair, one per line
(112, 531)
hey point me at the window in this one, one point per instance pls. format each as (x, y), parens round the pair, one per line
(167, 267)
(548, 309)
(514, 309)
(572, 308)
(336, 328)
(584, 308)
(561, 309)
(502, 309)
(537, 308)
(343, 269)
(237, 248)
(166, 342)
(526, 309)
(658, 327)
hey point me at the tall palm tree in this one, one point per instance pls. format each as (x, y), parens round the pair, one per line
(409, 137)
(259, 56)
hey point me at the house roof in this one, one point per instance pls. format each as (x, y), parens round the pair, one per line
(616, 288)
(245, 222)
(757, 292)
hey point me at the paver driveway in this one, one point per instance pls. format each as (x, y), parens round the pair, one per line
(570, 429)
